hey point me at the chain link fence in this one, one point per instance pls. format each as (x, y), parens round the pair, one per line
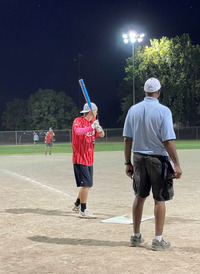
(65, 136)
(61, 136)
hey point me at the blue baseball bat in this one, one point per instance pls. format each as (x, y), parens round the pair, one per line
(85, 93)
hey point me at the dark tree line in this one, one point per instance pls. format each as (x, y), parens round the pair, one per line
(46, 108)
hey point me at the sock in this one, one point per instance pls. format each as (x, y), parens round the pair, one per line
(83, 207)
(137, 235)
(159, 238)
(77, 203)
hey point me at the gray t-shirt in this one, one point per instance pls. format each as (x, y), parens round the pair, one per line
(149, 123)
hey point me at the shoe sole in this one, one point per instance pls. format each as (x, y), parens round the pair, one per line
(87, 217)
(75, 210)
(136, 244)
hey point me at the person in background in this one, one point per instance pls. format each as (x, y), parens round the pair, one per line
(48, 141)
(35, 138)
(148, 131)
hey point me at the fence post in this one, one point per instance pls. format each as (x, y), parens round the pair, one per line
(70, 137)
(178, 131)
(16, 138)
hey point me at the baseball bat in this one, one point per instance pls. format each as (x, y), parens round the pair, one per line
(85, 93)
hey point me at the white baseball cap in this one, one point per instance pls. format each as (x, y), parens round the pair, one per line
(86, 108)
(152, 85)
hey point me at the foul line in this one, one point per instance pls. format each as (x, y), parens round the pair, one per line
(24, 178)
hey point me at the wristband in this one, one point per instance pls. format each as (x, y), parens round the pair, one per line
(128, 163)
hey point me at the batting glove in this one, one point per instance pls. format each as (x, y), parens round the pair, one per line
(99, 129)
(95, 124)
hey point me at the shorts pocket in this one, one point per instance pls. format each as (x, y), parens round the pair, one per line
(168, 190)
(135, 187)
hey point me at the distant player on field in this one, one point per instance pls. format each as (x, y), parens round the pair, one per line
(49, 140)
(85, 130)
(35, 138)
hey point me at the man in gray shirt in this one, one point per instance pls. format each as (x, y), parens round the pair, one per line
(148, 132)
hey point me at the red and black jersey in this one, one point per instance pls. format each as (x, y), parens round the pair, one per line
(83, 145)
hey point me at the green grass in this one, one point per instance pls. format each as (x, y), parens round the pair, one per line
(188, 144)
(67, 147)
(34, 149)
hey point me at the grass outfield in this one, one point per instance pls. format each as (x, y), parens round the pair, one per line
(67, 147)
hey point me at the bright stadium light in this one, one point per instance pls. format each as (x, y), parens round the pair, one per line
(126, 41)
(133, 37)
(125, 36)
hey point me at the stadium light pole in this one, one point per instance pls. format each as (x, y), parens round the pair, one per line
(133, 37)
(78, 60)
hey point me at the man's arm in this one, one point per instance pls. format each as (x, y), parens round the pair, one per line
(171, 149)
(45, 138)
(127, 155)
(82, 130)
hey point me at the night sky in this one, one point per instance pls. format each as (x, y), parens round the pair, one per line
(41, 39)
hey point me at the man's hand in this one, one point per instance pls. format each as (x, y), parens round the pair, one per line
(95, 124)
(177, 171)
(171, 149)
(129, 171)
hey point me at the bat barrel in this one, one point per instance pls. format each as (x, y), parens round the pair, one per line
(85, 93)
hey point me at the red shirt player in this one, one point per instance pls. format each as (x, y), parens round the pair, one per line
(48, 140)
(85, 130)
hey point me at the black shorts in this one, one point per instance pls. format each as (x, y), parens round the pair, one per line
(153, 172)
(83, 175)
(49, 144)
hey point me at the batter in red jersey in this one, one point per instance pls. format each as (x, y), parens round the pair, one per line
(85, 130)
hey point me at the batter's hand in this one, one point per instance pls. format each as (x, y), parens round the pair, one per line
(129, 171)
(99, 129)
(95, 124)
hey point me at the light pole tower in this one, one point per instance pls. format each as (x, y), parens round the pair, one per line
(133, 37)
(78, 60)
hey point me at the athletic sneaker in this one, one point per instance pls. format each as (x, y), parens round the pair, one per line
(86, 214)
(156, 245)
(135, 241)
(76, 208)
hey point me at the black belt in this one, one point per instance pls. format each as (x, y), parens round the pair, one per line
(160, 157)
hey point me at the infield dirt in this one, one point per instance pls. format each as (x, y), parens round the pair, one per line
(41, 234)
